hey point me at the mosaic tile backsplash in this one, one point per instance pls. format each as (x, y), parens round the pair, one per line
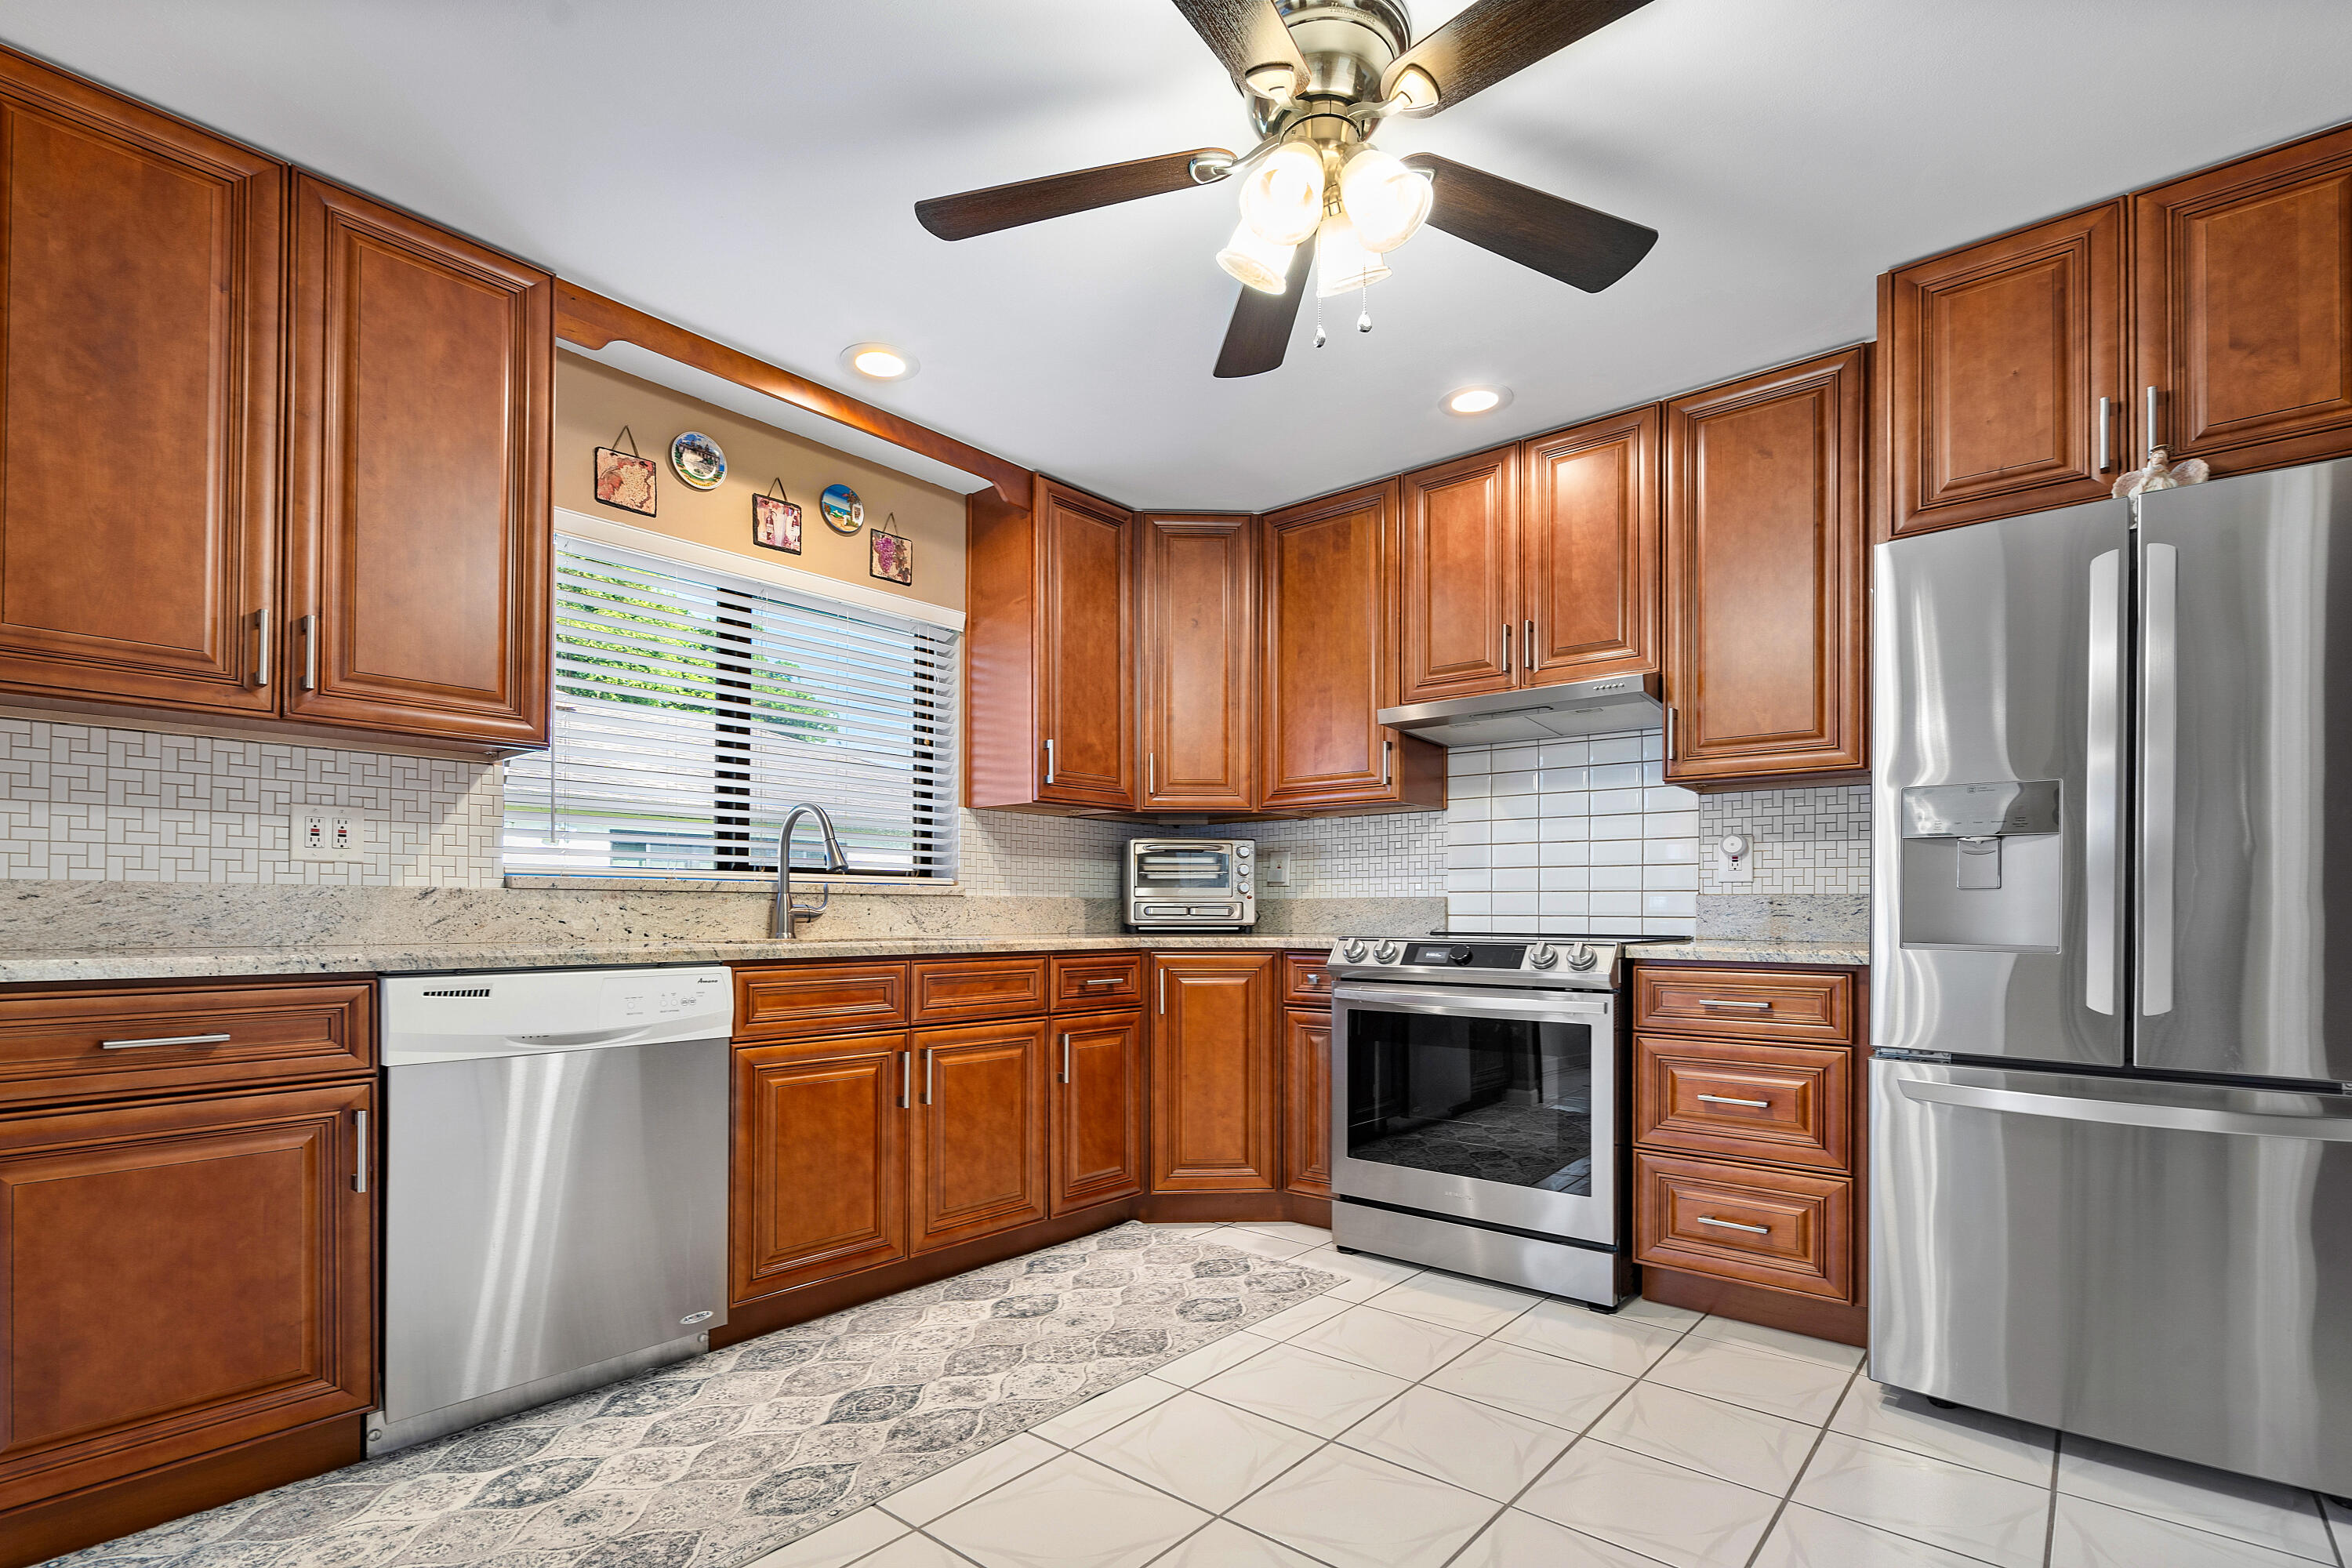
(1571, 835)
(1808, 842)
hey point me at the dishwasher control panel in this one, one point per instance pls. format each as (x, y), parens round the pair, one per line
(463, 1018)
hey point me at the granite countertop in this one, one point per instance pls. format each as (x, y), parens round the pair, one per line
(68, 964)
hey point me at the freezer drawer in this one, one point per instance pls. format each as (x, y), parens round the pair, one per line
(2163, 1265)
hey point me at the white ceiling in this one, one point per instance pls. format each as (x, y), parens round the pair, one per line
(748, 171)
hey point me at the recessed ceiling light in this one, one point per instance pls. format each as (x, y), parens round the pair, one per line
(879, 361)
(1472, 400)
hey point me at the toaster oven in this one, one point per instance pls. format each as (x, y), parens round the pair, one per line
(1191, 884)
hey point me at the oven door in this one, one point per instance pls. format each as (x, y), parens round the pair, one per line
(1496, 1107)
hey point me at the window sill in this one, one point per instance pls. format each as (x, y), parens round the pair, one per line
(734, 882)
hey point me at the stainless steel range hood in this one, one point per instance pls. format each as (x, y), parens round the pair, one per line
(1536, 712)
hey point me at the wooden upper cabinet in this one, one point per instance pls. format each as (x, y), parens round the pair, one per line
(1087, 672)
(1997, 359)
(418, 515)
(1213, 1072)
(1461, 578)
(1588, 550)
(222, 1236)
(141, 303)
(1200, 662)
(2242, 284)
(1330, 663)
(1766, 599)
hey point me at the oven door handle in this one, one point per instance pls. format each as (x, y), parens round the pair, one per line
(1424, 999)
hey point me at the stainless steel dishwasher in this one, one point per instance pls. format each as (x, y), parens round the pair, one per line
(555, 1186)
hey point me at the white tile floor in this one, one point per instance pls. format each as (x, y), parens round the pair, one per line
(1414, 1420)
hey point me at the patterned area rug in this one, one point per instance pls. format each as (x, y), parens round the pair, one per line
(715, 1461)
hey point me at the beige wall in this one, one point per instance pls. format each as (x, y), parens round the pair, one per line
(594, 401)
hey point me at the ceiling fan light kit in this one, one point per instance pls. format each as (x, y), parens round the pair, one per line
(1319, 77)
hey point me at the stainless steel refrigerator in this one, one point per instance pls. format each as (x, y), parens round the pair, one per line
(2111, 1185)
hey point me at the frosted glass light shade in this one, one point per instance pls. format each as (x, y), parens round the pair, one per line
(1282, 199)
(1264, 266)
(1341, 260)
(1387, 201)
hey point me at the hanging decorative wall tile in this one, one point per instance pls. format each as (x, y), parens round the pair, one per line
(624, 480)
(775, 521)
(894, 555)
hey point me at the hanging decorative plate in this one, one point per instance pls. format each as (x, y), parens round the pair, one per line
(843, 512)
(698, 460)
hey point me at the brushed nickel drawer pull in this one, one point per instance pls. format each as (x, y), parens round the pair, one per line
(1735, 1225)
(1728, 1099)
(1743, 1006)
(1107, 980)
(167, 1040)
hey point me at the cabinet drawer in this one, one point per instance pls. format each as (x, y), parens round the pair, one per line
(66, 1045)
(1784, 1004)
(1786, 1229)
(1305, 980)
(794, 999)
(1789, 1104)
(951, 990)
(1112, 980)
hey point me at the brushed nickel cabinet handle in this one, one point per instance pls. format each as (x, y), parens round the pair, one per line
(906, 1079)
(1388, 762)
(1065, 1058)
(2151, 418)
(1507, 648)
(2106, 422)
(1742, 1006)
(309, 626)
(1164, 991)
(1049, 759)
(1735, 1225)
(1152, 773)
(1106, 980)
(360, 1152)
(928, 1064)
(261, 647)
(165, 1040)
(1527, 646)
(1728, 1099)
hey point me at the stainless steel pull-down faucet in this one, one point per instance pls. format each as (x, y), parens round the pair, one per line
(780, 918)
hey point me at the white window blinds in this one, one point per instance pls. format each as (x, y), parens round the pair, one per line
(693, 708)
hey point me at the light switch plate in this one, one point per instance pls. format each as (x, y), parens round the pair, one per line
(333, 834)
(1274, 868)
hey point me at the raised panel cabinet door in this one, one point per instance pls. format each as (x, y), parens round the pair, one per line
(819, 1183)
(183, 1276)
(1307, 1101)
(1461, 593)
(1200, 662)
(1098, 1116)
(1766, 600)
(2242, 282)
(1328, 664)
(1588, 601)
(976, 1164)
(1086, 673)
(418, 516)
(1213, 1072)
(1997, 358)
(141, 310)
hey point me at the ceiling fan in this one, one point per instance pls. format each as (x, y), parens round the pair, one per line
(1320, 77)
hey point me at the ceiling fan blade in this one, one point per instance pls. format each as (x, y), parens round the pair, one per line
(1259, 334)
(1579, 245)
(1493, 38)
(970, 213)
(1245, 35)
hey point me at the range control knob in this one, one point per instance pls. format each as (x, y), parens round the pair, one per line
(1584, 957)
(1458, 954)
(1543, 955)
(1389, 951)
(1352, 951)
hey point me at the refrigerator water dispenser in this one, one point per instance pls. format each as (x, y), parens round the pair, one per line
(1983, 866)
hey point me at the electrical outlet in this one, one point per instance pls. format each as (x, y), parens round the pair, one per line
(1735, 858)
(332, 834)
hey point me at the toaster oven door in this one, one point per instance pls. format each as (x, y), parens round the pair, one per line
(1180, 870)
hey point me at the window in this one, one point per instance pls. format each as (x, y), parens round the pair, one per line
(694, 707)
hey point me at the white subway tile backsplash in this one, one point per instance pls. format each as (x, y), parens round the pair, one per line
(1566, 753)
(1617, 749)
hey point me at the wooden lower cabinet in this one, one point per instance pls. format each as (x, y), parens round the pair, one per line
(1213, 1071)
(1786, 1229)
(820, 1164)
(1097, 1134)
(976, 1161)
(184, 1276)
(1307, 1101)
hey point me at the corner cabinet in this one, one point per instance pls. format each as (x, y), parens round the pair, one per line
(1329, 661)
(1766, 605)
(140, 294)
(2005, 375)
(418, 512)
(1051, 652)
(1200, 662)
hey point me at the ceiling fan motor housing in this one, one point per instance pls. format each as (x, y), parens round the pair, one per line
(1347, 45)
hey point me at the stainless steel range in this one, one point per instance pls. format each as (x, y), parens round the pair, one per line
(1477, 1108)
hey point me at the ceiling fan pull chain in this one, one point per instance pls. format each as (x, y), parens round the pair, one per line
(1319, 339)
(1364, 304)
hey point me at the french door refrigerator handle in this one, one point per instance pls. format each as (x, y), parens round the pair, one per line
(2101, 813)
(2159, 747)
(2080, 1105)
